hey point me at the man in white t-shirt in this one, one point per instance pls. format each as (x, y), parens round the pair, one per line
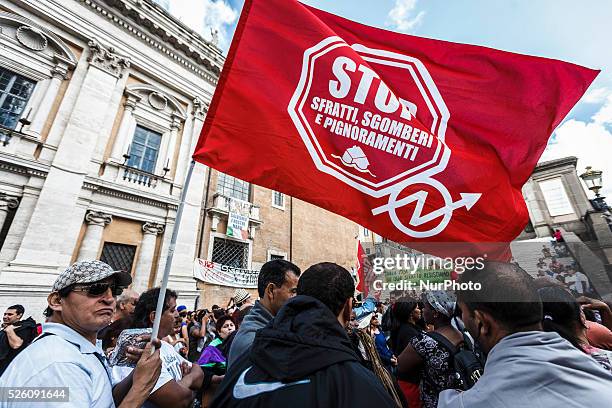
(179, 380)
(577, 281)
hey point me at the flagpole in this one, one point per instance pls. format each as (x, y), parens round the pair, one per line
(177, 224)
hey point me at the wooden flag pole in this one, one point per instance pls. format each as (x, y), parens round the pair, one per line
(177, 224)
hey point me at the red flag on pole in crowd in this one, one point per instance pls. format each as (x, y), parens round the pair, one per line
(418, 140)
(361, 284)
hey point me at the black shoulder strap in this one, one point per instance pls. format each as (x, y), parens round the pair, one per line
(444, 342)
(44, 334)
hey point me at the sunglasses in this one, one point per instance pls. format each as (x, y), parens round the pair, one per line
(98, 289)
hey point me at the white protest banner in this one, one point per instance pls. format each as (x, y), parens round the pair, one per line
(215, 273)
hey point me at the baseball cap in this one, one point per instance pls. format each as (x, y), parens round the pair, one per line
(89, 272)
(181, 308)
(240, 295)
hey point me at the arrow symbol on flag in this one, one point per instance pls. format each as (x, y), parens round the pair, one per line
(467, 200)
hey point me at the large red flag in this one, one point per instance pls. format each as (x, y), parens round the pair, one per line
(419, 140)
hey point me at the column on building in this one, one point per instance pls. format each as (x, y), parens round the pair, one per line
(63, 184)
(191, 134)
(171, 147)
(181, 272)
(59, 73)
(120, 147)
(19, 225)
(146, 253)
(7, 203)
(96, 221)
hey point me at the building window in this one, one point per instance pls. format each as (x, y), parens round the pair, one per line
(15, 91)
(366, 232)
(232, 187)
(278, 199)
(119, 256)
(231, 253)
(144, 149)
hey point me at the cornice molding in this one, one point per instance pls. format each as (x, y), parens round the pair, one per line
(129, 197)
(212, 71)
(26, 171)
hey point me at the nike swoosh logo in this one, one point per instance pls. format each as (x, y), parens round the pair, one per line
(243, 390)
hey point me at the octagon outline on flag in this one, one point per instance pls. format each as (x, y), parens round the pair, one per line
(397, 182)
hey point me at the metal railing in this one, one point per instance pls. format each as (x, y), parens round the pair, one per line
(140, 177)
(7, 134)
(222, 202)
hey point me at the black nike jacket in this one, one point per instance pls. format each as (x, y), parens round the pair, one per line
(302, 358)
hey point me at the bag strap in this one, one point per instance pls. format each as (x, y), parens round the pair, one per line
(444, 342)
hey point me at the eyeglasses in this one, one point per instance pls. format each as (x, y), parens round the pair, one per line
(98, 289)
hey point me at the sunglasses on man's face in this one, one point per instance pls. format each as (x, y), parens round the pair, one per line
(98, 289)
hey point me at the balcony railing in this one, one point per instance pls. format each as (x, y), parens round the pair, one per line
(221, 203)
(7, 134)
(140, 177)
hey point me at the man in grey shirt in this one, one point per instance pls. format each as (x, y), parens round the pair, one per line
(526, 367)
(277, 283)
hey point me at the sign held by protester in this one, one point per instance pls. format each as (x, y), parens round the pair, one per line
(418, 140)
(218, 274)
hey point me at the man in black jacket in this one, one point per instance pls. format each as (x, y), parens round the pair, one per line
(15, 335)
(303, 357)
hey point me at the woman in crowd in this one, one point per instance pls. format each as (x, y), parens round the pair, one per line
(406, 314)
(562, 314)
(364, 347)
(200, 333)
(214, 356)
(427, 354)
(386, 356)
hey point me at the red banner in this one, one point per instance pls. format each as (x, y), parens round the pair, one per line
(418, 140)
(362, 258)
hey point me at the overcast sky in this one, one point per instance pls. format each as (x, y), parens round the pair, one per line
(578, 32)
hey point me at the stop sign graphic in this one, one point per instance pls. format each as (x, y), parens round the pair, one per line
(377, 138)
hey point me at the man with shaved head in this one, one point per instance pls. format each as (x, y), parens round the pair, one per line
(526, 367)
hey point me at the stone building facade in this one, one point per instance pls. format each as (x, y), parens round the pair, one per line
(280, 227)
(101, 104)
(556, 199)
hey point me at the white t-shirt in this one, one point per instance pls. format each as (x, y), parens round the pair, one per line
(575, 282)
(170, 370)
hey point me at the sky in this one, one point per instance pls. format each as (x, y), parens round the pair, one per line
(577, 32)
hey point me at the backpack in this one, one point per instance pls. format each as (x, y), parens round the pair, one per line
(468, 364)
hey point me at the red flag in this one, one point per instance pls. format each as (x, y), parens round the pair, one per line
(419, 140)
(361, 284)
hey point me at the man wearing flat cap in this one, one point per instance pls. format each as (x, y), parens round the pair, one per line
(81, 302)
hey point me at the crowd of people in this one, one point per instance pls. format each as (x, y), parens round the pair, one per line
(568, 274)
(307, 342)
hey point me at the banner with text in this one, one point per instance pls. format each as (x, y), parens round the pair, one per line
(238, 220)
(217, 274)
